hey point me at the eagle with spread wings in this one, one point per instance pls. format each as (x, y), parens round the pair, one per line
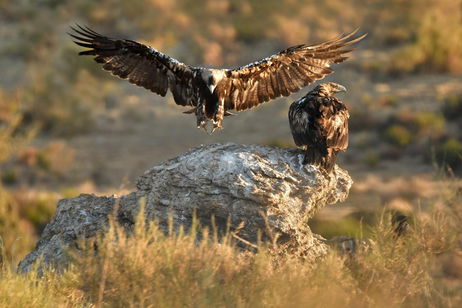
(212, 93)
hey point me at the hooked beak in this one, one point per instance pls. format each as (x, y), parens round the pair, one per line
(341, 88)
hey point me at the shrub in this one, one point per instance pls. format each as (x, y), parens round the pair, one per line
(398, 135)
(363, 118)
(56, 157)
(371, 159)
(387, 100)
(350, 225)
(450, 153)
(452, 107)
(16, 234)
(429, 124)
(12, 137)
(434, 40)
(9, 177)
(39, 210)
(58, 108)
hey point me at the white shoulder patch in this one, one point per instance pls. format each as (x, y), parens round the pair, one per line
(217, 75)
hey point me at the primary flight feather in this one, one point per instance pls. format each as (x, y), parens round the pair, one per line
(213, 92)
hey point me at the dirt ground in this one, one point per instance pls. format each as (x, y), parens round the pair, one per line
(152, 129)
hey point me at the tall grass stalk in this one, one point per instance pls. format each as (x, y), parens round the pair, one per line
(147, 268)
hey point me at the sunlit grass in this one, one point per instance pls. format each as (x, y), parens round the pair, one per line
(148, 268)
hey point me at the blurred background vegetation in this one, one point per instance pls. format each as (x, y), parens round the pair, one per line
(67, 127)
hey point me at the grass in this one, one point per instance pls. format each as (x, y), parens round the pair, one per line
(16, 233)
(147, 268)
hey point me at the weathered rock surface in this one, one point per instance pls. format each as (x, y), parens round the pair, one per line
(266, 188)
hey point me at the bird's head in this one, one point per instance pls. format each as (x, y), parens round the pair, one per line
(330, 88)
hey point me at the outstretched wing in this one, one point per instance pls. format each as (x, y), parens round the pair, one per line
(281, 74)
(139, 64)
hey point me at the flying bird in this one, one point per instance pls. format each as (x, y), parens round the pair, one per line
(319, 124)
(212, 93)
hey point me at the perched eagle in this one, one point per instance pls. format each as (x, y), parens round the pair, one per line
(213, 92)
(319, 124)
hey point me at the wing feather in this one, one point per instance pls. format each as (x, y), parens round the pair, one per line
(274, 85)
(285, 72)
(336, 126)
(262, 89)
(139, 64)
(283, 83)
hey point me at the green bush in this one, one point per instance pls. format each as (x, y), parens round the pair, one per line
(350, 225)
(450, 153)
(12, 135)
(371, 159)
(452, 107)
(39, 211)
(9, 177)
(429, 123)
(59, 108)
(434, 37)
(398, 135)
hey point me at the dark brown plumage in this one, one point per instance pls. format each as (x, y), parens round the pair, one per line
(212, 92)
(319, 124)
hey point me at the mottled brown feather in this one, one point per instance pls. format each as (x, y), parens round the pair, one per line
(289, 70)
(139, 64)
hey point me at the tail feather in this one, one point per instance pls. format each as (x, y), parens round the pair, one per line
(320, 157)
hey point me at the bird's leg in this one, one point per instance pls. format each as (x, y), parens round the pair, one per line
(200, 116)
(305, 155)
(305, 159)
(203, 125)
(218, 115)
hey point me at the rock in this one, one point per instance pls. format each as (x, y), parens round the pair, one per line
(253, 188)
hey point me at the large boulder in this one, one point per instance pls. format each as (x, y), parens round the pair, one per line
(250, 187)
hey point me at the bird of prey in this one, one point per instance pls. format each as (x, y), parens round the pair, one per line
(319, 124)
(212, 93)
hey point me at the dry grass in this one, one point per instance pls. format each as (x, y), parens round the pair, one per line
(147, 269)
(12, 135)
